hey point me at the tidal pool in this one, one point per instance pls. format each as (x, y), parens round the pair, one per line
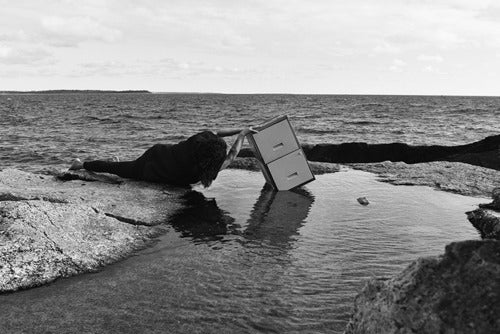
(243, 259)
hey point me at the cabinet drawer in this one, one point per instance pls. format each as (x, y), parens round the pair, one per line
(290, 171)
(275, 141)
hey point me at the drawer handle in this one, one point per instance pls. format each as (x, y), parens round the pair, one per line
(278, 146)
(291, 176)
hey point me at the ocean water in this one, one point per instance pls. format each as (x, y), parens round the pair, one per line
(239, 259)
(51, 130)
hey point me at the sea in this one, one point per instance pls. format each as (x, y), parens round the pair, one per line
(52, 129)
(238, 258)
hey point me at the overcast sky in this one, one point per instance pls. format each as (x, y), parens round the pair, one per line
(352, 46)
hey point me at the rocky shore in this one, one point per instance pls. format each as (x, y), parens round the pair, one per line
(458, 292)
(456, 177)
(55, 226)
(483, 153)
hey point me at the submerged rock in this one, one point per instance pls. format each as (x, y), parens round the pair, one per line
(458, 292)
(51, 229)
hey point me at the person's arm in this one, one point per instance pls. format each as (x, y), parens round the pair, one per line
(235, 149)
(227, 132)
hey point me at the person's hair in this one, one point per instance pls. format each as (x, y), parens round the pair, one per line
(210, 153)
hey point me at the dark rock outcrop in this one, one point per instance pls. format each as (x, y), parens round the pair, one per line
(458, 292)
(486, 223)
(485, 153)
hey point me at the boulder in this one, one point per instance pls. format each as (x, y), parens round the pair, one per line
(458, 292)
(51, 228)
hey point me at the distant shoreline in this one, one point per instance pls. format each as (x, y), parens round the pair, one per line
(97, 91)
(76, 91)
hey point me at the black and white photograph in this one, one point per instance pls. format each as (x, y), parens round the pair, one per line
(260, 166)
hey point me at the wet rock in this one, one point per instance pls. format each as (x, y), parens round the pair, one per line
(486, 223)
(458, 292)
(363, 201)
(495, 205)
(483, 153)
(51, 229)
(454, 177)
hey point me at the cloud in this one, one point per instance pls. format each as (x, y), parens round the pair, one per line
(432, 69)
(166, 67)
(385, 47)
(72, 31)
(430, 58)
(397, 65)
(19, 35)
(16, 56)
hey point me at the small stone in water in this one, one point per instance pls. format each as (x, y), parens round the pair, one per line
(363, 201)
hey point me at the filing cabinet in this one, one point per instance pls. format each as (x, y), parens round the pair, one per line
(282, 160)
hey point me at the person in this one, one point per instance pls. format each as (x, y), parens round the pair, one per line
(196, 159)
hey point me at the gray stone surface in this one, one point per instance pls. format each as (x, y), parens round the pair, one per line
(495, 205)
(454, 177)
(458, 292)
(51, 228)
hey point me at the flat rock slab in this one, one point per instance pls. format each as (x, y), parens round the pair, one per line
(456, 177)
(458, 292)
(51, 228)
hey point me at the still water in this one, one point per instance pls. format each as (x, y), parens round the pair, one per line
(242, 259)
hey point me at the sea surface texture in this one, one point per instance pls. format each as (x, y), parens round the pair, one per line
(53, 129)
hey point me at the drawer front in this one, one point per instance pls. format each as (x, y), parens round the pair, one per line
(290, 171)
(276, 141)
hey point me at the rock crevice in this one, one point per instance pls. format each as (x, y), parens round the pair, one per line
(51, 229)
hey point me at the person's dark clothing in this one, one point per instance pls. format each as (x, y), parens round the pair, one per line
(163, 163)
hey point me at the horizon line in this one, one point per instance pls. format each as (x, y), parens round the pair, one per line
(146, 91)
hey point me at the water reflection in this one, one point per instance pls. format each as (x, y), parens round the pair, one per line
(201, 218)
(275, 217)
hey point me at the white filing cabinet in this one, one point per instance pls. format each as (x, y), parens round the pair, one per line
(282, 160)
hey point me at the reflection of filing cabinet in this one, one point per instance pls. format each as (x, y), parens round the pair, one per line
(283, 162)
